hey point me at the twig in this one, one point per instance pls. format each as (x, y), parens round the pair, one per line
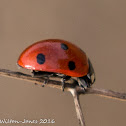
(54, 82)
(107, 93)
(78, 107)
(71, 86)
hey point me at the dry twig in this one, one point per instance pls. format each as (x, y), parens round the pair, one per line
(71, 86)
(78, 107)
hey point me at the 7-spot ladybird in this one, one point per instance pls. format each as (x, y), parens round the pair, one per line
(55, 57)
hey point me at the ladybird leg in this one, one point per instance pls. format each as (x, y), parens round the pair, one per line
(45, 81)
(63, 83)
(40, 74)
(33, 73)
(82, 83)
(64, 78)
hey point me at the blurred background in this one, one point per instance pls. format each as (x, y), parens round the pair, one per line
(98, 27)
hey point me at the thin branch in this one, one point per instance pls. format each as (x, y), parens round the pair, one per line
(107, 93)
(71, 85)
(55, 82)
(79, 112)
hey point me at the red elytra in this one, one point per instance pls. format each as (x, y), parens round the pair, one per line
(55, 55)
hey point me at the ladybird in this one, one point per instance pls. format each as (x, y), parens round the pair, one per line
(55, 57)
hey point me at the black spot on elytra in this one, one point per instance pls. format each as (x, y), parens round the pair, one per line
(71, 65)
(64, 46)
(40, 58)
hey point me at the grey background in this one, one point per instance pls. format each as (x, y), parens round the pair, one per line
(98, 27)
